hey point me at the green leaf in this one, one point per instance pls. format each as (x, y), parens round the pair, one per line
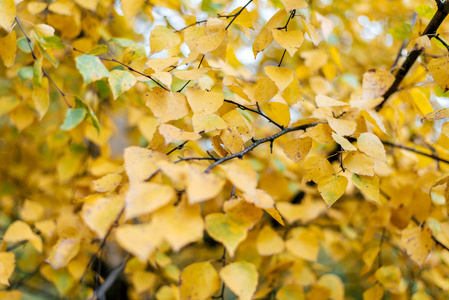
(120, 82)
(23, 45)
(37, 72)
(53, 42)
(90, 113)
(425, 11)
(401, 32)
(97, 50)
(91, 68)
(122, 42)
(25, 73)
(73, 118)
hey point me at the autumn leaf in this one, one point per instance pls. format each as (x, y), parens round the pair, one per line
(199, 281)
(241, 278)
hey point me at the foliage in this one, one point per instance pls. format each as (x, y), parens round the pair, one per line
(282, 149)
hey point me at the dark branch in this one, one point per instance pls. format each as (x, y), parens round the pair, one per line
(101, 291)
(259, 142)
(199, 65)
(292, 15)
(415, 151)
(431, 29)
(404, 43)
(238, 14)
(258, 111)
(179, 147)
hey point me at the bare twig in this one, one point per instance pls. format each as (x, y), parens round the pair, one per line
(238, 14)
(258, 111)
(292, 15)
(199, 65)
(101, 291)
(415, 151)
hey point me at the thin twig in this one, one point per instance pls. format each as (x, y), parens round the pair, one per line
(292, 15)
(101, 291)
(199, 65)
(415, 151)
(223, 259)
(43, 71)
(238, 13)
(404, 43)
(179, 147)
(437, 36)
(258, 111)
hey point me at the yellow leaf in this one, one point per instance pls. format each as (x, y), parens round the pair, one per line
(241, 278)
(146, 197)
(160, 64)
(275, 19)
(298, 149)
(7, 14)
(163, 38)
(417, 242)
(274, 212)
(202, 186)
(359, 163)
(199, 281)
(259, 198)
(143, 281)
(167, 106)
(41, 98)
(22, 117)
(101, 213)
(232, 139)
(326, 101)
(289, 40)
(147, 127)
(8, 48)
(130, 8)
(264, 90)
(292, 94)
(44, 30)
(207, 123)
(303, 244)
(204, 102)
(173, 134)
(241, 174)
(374, 293)
(312, 32)
(445, 129)
(262, 41)
(88, 4)
(180, 225)
(437, 114)
(240, 123)
(281, 76)
(294, 4)
(107, 183)
(35, 7)
(421, 101)
(389, 277)
(62, 280)
(439, 69)
(11, 295)
(140, 240)
(269, 242)
(290, 292)
(278, 112)
(332, 188)
(65, 249)
(317, 167)
(192, 74)
(369, 185)
(20, 231)
(7, 266)
(226, 230)
(210, 42)
(375, 83)
(140, 163)
(244, 212)
(341, 126)
(344, 143)
(120, 82)
(31, 211)
(334, 284)
(371, 145)
(419, 44)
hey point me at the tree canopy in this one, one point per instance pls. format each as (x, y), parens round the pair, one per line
(186, 149)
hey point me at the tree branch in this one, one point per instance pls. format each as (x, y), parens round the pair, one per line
(292, 15)
(259, 142)
(238, 14)
(258, 111)
(431, 29)
(415, 151)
